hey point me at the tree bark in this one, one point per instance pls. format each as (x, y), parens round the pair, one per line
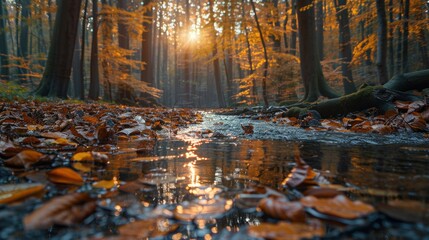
(311, 70)
(216, 65)
(264, 47)
(94, 84)
(405, 67)
(345, 53)
(319, 27)
(23, 36)
(80, 90)
(294, 29)
(382, 42)
(58, 68)
(4, 52)
(147, 75)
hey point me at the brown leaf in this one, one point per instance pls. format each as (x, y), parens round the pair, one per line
(339, 206)
(10, 193)
(24, 159)
(30, 140)
(149, 228)
(64, 176)
(53, 135)
(322, 192)
(285, 230)
(65, 210)
(90, 119)
(416, 106)
(416, 122)
(406, 210)
(248, 129)
(303, 175)
(282, 209)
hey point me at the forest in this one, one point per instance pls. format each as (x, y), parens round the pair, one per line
(214, 119)
(209, 53)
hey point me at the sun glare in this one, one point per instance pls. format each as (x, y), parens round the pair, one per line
(193, 36)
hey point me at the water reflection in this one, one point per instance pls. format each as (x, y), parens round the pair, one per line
(203, 177)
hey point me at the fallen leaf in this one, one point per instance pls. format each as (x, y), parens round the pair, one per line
(282, 209)
(406, 210)
(30, 140)
(322, 192)
(82, 156)
(65, 210)
(107, 184)
(64, 176)
(339, 206)
(10, 193)
(64, 141)
(24, 159)
(90, 119)
(149, 228)
(248, 129)
(285, 230)
(303, 175)
(415, 121)
(53, 135)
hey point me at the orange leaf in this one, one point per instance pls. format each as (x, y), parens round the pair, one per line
(65, 176)
(24, 159)
(90, 119)
(282, 209)
(65, 210)
(82, 156)
(285, 230)
(13, 192)
(339, 206)
(108, 184)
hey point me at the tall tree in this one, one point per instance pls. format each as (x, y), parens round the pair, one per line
(264, 48)
(381, 42)
(23, 50)
(345, 53)
(4, 58)
(320, 18)
(147, 74)
(56, 76)
(216, 64)
(405, 67)
(311, 71)
(294, 33)
(94, 84)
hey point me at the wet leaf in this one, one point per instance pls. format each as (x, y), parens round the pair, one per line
(24, 159)
(64, 141)
(82, 167)
(82, 156)
(65, 210)
(339, 206)
(406, 210)
(285, 230)
(10, 193)
(31, 140)
(149, 228)
(282, 209)
(53, 135)
(248, 129)
(416, 122)
(303, 175)
(107, 184)
(64, 176)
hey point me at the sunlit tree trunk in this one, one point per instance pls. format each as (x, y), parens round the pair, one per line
(345, 45)
(216, 65)
(147, 75)
(106, 30)
(58, 68)
(4, 52)
(311, 70)
(94, 84)
(381, 42)
(264, 47)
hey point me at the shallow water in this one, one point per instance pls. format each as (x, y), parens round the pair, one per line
(204, 167)
(376, 168)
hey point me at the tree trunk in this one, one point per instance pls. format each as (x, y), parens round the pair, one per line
(319, 27)
(249, 56)
(294, 29)
(81, 91)
(94, 84)
(311, 70)
(76, 66)
(147, 75)
(4, 52)
(23, 37)
(406, 20)
(264, 47)
(382, 42)
(57, 72)
(106, 30)
(391, 37)
(124, 93)
(285, 22)
(216, 65)
(345, 45)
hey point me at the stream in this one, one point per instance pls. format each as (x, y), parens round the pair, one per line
(217, 158)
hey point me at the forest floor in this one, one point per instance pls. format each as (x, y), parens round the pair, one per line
(76, 170)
